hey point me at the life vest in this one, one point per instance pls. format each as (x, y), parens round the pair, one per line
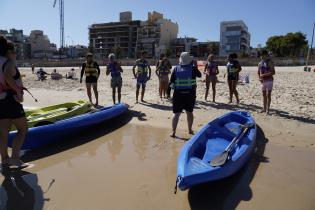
(232, 68)
(264, 68)
(164, 70)
(212, 68)
(90, 70)
(113, 68)
(184, 78)
(142, 67)
(4, 87)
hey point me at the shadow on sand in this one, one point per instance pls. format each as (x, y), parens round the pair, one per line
(20, 190)
(255, 108)
(229, 192)
(84, 136)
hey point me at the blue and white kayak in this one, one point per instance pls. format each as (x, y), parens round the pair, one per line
(46, 134)
(194, 159)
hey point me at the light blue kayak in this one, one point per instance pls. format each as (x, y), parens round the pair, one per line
(194, 159)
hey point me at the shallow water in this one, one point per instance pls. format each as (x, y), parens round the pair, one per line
(134, 167)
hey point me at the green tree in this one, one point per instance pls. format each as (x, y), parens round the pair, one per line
(292, 44)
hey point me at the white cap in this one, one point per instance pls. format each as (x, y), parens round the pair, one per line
(185, 58)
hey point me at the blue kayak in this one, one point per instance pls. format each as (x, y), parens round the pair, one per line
(46, 134)
(194, 159)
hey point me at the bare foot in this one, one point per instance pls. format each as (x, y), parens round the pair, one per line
(262, 111)
(191, 132)
(173, 135)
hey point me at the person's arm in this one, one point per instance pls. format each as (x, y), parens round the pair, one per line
(157, 64)
(82, 72)
(134, 68)
(107, 70)
(217, 70)
(98, 70)
(205, 70)
(196, 72)
(119, 67)
(149, 71)
(173, 76)
(239, 66)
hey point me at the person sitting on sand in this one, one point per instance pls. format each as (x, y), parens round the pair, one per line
(266, 70)
(55, 75)
(143, 69)
(233, 70)
(71, 74)
(115, 70)
(162, 71)
(211, 70)
(92, 72)
(41, 74)
(183, 80)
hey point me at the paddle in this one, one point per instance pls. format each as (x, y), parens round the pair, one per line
(221, 158)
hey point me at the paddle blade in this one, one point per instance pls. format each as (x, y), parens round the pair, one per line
(220, 159)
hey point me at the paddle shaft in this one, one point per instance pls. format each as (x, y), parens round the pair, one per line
(236, 140)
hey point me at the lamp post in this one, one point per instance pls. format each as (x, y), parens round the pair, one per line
(310, 48)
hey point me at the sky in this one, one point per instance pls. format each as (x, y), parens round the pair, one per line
(198, 18)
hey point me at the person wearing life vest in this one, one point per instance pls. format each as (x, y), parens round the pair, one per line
(211, 71)
(233, 69)
(115, 70)
(162, 71)
(266, 70)
(143, 74)
(11, 109)
(183, 80)
(91, 70)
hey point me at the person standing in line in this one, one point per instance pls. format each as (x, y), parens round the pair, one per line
(211, 71)
(142, 75)
(183, 80)
(266, 70)
(233, 70)
(115, 70)
(162, 71)
(92, 72)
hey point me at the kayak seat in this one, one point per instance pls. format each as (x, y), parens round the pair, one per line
(214, 147)
(196, 165)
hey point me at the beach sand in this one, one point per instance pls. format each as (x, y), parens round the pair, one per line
(130, 162)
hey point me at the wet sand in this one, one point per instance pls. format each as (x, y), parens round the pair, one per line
(134, 167)
(130, 162)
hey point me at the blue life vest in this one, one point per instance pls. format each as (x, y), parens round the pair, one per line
(114, 71)
(184, 78)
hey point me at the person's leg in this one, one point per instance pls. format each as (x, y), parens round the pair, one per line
(88, 90)
(160, 87)
(174, 123)
(268, 101)
(119, 93)
(137, 92)
(142, 92)
(190, 120)
(230, 83)
(21, 126)
(94, 85)
(114, 95)
(5, 125)
(264, 101)
(213, 90)
(235, 91)
(207, 88)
